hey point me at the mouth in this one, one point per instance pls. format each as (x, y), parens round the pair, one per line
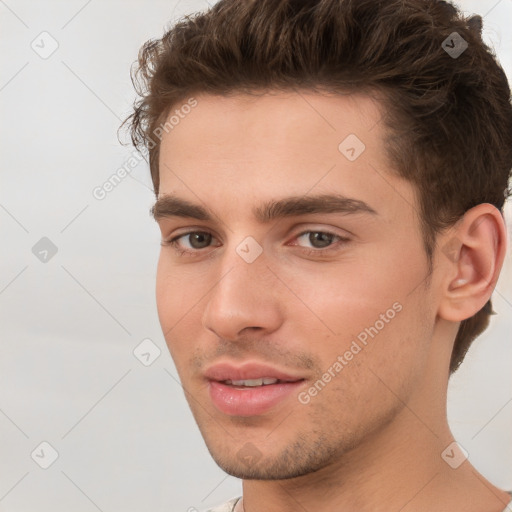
(251, 389)
(253, 383)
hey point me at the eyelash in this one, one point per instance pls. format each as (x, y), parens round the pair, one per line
(173, 242)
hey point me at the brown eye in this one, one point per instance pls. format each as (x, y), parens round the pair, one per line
(319, 244)
(317, 239)
(191, 242)
(199, 240)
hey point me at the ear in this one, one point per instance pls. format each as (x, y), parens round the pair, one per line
(472, 254)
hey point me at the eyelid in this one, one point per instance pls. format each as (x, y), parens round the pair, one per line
(189, 230)
(324, 231)
(334, 246)
(345, 235)
(173, 242)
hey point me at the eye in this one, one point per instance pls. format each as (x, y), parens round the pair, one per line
(318, 239)
(320, 243)
(190, 242)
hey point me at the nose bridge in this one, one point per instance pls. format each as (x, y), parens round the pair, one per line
(243, 295)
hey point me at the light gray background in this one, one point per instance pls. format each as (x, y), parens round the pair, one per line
(125, 437)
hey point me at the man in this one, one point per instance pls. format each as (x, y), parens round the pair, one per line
(330, 179)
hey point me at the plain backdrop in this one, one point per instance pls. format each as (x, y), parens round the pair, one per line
(78, 273)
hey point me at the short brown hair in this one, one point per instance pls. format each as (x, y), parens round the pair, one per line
(449, 117)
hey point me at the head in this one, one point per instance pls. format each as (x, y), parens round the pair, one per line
(344, 176)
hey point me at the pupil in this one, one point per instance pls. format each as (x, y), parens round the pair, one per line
(200, 240)
(319, 239)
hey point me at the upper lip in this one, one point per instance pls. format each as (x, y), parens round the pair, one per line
(226, 371)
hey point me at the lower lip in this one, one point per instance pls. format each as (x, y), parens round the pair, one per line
(250, 401)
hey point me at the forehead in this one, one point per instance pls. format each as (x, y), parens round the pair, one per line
(236, 149)
(252, 121)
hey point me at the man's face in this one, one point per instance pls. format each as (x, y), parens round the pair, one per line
(330, 300)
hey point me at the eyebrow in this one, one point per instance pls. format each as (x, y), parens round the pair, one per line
(173, 206)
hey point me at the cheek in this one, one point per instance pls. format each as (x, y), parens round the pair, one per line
(373, 361)
(181, 293)
(368, 302)
(178, 289)
(349, 299)
(173, 291)
(165, 298)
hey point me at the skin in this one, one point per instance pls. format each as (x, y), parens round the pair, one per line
(372, 438)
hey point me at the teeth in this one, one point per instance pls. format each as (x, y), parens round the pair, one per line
(252, 382)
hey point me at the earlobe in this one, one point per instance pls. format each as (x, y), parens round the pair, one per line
(472, 258)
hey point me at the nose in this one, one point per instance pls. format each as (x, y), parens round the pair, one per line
(244, 300)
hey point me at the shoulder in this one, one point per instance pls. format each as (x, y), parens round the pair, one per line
(229, 506)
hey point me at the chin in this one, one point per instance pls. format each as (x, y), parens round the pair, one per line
(250, 463)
